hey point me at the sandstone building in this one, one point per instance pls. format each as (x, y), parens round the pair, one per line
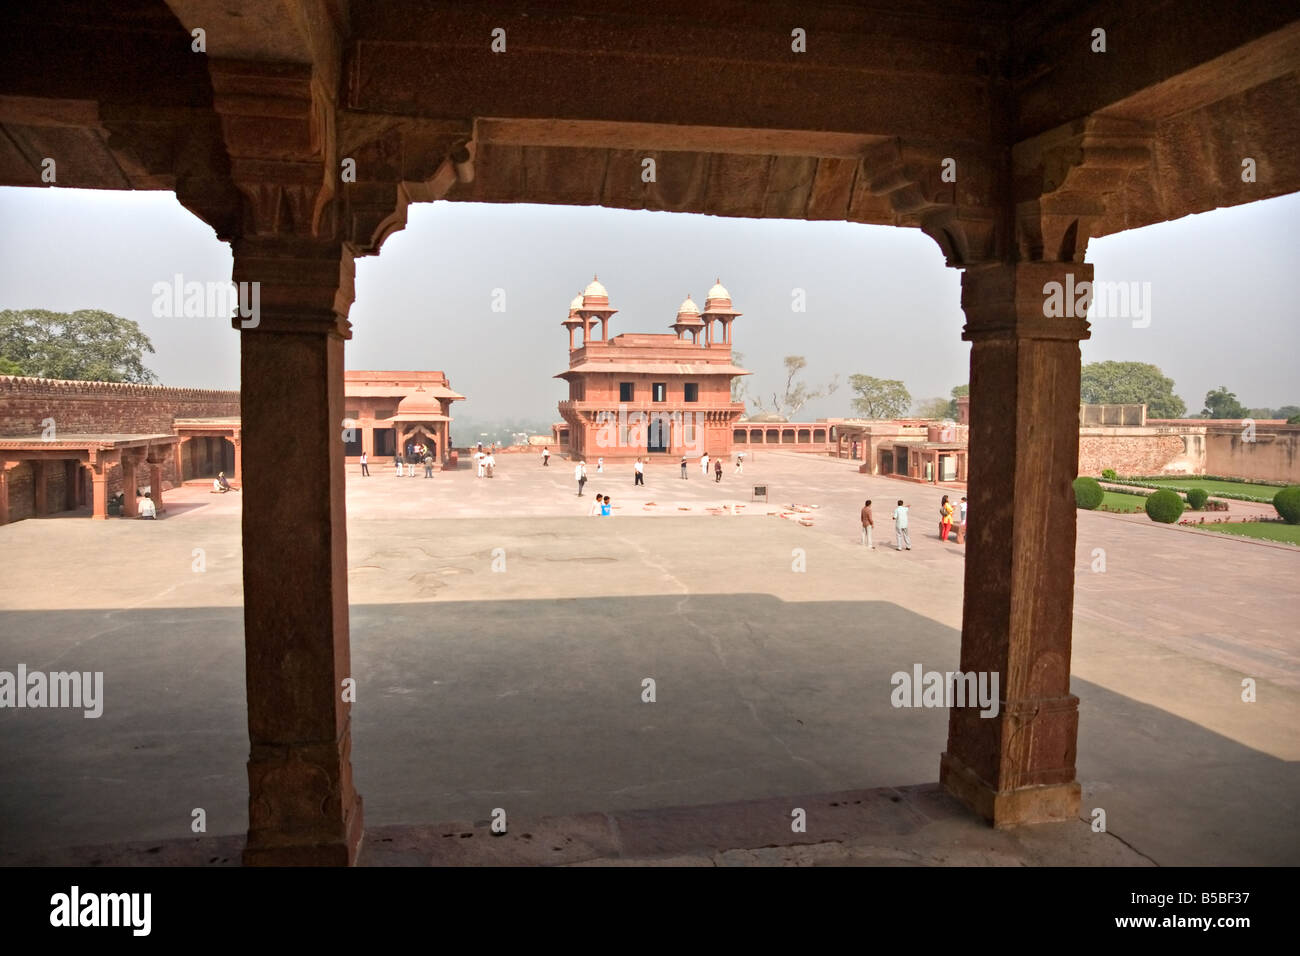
(650, 395)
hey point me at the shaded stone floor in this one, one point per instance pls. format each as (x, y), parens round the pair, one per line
(521, 687)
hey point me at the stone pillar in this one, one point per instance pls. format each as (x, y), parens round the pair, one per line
(180, 461)
(40, 502)
(238, 476)
(155, 484)
(1018, 767)
(6, 466)
(98, 469)
(302, 808)
(130, 507)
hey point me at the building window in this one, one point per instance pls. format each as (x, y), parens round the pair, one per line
(384, 442)
(385, 413)
(625, 391)
(354, 414)
(660, 391)
(692, 392)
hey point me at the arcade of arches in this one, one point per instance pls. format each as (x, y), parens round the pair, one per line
(1052, 144)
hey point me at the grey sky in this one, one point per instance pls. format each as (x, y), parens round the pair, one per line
(879, 300)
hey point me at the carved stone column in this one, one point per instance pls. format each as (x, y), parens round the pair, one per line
(303, 808)
(98, 469)
(1018, 766)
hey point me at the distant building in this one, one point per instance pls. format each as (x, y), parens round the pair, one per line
(650, 395)
(392, 410)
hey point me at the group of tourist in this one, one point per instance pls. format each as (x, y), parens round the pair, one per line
(902, 534)
(485, 462)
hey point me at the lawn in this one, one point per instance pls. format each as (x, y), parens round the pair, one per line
(1115, 501)
(1265, 530)
(1216, 487)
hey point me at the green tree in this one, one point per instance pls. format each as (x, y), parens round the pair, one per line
(879, 397)
(933, 408)
(1125, 383)
(1221, 403)
(87, 345)
(958, 391)
(10, 367)
(797, 394)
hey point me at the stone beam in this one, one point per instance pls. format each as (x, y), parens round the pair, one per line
(864, 72)
(1161, 58)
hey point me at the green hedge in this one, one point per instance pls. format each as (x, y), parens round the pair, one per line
(1087, 493)
(1165, 505)
(1109, 474)
(1232, 495)
(1196, 498)
(1287, 503)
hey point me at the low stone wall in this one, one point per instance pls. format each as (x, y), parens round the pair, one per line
(1271, 453)
(95, 408)
(1140, 451)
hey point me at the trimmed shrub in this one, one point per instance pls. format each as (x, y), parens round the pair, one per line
(1196, 498)
(1109, 474)
(1165, 506)
(1087, 493)
(1287, 503)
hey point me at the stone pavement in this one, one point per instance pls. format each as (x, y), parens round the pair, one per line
(521, 687)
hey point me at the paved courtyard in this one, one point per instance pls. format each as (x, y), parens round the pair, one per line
(500, 640)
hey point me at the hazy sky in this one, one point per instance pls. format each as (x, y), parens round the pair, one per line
(879, 300)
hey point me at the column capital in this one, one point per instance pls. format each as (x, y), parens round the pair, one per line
(1026, 300)
(294, 284)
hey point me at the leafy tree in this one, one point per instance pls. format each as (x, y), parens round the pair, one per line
(10, 367)
(879, 397)
(1125, 383)
(797, 395)
(958, 391)
(1285, 412)
(1221, 403)
(88, 345)
(934, 408)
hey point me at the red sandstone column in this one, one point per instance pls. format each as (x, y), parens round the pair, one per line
(302, 807)
(5, 467)
(40, 502)
(1018, 767)
(99, 488)
(238, 442)
(130, 507)
(155, 484)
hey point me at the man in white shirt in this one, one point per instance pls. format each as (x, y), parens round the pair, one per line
(704, 464)
(546, 457)
(640, 474)
(147, 507)
(580, 475)
(900, 526)
(365, 468)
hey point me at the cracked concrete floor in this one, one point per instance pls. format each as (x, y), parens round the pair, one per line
(522, 687)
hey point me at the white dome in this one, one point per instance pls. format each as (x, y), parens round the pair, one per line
(576, 303)
(689, 308)
(595, 288)
(718, 292)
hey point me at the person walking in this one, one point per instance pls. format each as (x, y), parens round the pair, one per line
(600, 466)
(490, 464)
(900, 526)
(410, 466)
(961, 521)
(683, 467)
(580, 475)
(428, 465)
(640, 473)
(740, 463)
(704, 464)
(945, 519)
(606, 509)
(365, 469)
(546, 457)
(397, 462)
(868, 525)
(717, 469)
